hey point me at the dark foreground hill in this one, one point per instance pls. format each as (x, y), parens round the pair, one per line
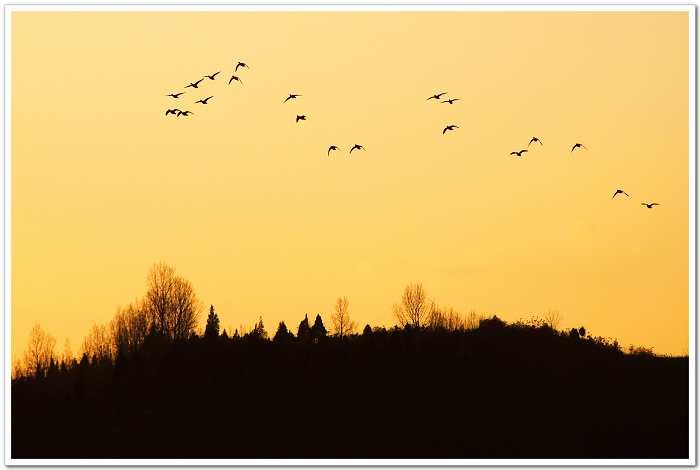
(495, 392)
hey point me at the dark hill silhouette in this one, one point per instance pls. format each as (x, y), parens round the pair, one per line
(499, 391)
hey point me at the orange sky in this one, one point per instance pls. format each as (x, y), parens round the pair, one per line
(246, 204)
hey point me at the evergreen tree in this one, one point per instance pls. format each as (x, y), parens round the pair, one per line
(259, 330)
(283, 334)
(318, 331)
(367, 331)
(212, 329)
(304, 329)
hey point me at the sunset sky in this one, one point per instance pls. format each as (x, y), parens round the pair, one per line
(246, 203)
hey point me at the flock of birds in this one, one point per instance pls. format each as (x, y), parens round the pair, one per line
(302, 117)
(299, 117)
(177, 112)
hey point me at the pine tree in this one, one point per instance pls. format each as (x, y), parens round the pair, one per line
(212, 329)
(304, 329)
(318, 331)
(259, 330)
(283, 334)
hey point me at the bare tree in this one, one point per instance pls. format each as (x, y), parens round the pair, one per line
(415, 308)
(553, 318)
(342, 324)
(159, 287)
(129, 328)
(98, 343)
(186, 309)
(67, 357)
(448, 319)
(473, 320)
(171, 303)
(40, 351)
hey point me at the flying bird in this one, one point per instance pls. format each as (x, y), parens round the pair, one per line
(578, 145)
(184, 113)
(175, 95)
(332, 147)
(211, 77)
(194, 85)
(172, 111)
(449, 128)
(301, 118)
(619, 191)
(452, 100)
(356, 146)
(290, 97)
(520, 154)
(204, 101)
(437, 97)
(234, 78)
(649, 205)
(240, 64)
(534, 139)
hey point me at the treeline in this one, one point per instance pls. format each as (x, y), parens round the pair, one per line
(438, 385)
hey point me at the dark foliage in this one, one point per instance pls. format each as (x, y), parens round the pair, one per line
(212, 329)
(499, 391)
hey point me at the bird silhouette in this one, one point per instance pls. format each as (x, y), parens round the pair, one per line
(234, 78)
(619, 191)
(194, 85)
(172, 111)
(534, 139)
(520, 154)
(649, 205)
(356, 146)
(450, 101)
(290, 97)
(184, 113)
(578, 145)
(301, 118)
(332, 147)
(175, 95)
(240, 64)
(449, 128)
(437, 97)
(204, 101)
(211, 77)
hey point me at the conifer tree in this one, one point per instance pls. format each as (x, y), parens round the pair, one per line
(304, 329)
(212, 329)
(259, 330)
(318, 331)
(283, 334)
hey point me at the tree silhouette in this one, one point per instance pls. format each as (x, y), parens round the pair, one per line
(98, 343)
(171, 302)
(304, 329)
(259, 330)
(415, 308)
(283, 335)
(40, 351)
(129, 328)
(342, 324)
(318, 331)
(212, 328)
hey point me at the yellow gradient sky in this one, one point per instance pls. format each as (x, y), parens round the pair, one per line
(245, 203)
